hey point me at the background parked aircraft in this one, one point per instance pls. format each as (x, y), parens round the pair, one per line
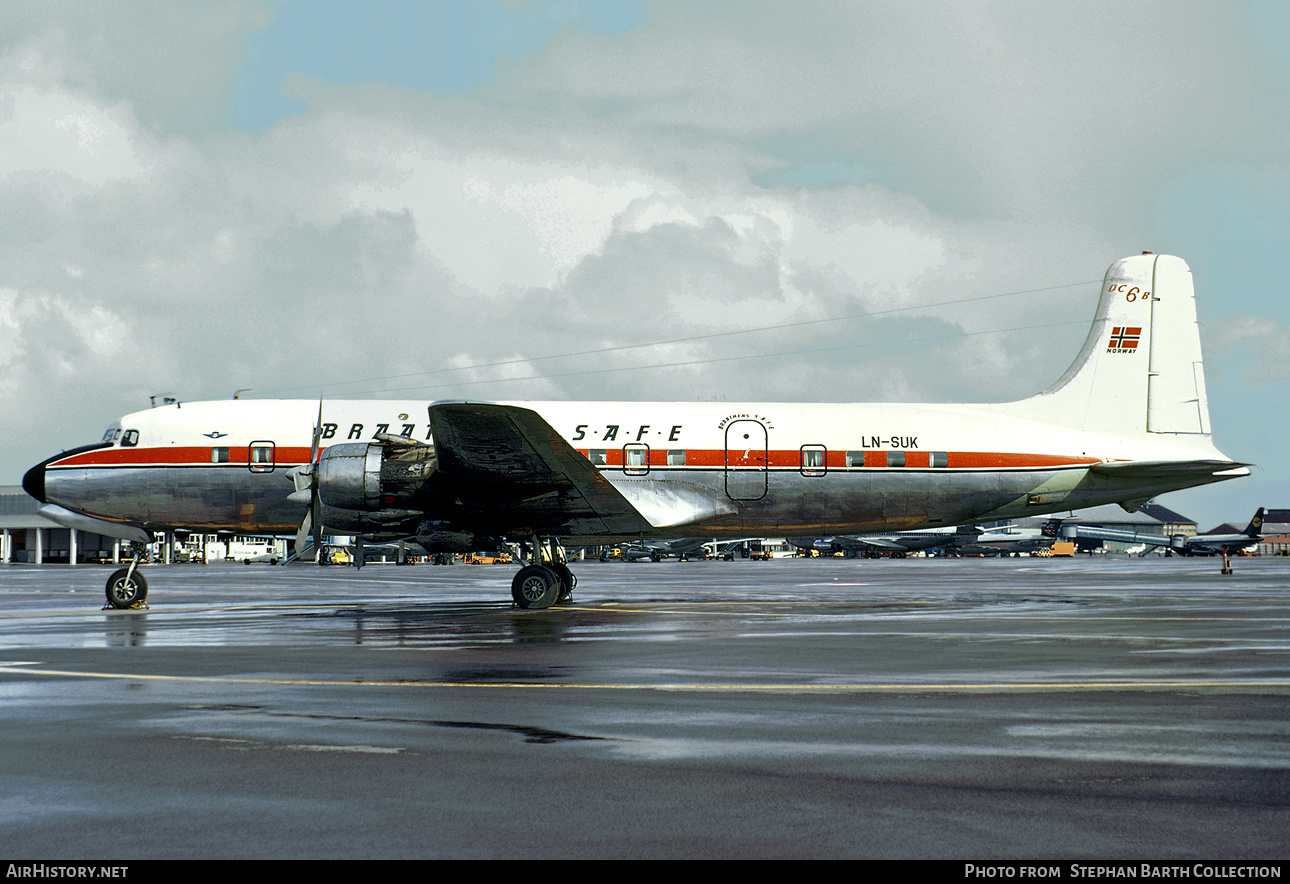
(896, 543)
(1179, 544)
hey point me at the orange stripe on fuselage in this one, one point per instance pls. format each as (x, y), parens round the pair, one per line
(200, 455)
(177, 455)
(836, 459)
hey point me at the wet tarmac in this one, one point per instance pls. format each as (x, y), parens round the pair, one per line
(980, 708)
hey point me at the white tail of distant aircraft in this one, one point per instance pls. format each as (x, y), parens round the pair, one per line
(1129, 420)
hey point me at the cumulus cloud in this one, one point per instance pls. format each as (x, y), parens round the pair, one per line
(1260, 345)
(687, 182)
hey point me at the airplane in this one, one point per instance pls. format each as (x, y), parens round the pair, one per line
(1180, 544)
(899, 543)
(963, 539)
(1128, 421)
(656, 550)
(1009, 539)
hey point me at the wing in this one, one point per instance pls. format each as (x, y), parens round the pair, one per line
(510, 469)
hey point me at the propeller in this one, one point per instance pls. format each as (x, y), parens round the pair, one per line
(305, 478)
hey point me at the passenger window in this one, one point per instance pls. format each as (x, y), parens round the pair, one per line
(219, 455)
(676, 457)
(940, 459)
(131, 438)
(599, 457)
(261, 460)
(855, 458)
(813, 460)
(895, 458)
(635, 459)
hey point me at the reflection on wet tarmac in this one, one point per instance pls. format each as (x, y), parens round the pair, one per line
(798, 708)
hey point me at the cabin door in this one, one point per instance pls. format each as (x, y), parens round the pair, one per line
(746, 456)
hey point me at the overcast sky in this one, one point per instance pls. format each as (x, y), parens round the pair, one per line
(379, 198)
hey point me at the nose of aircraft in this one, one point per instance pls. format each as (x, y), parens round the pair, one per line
(33, 482)
(36, 483)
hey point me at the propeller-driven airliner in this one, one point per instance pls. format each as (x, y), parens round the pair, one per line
(1129, 420)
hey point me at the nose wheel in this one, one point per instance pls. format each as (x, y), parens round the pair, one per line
(127, 588)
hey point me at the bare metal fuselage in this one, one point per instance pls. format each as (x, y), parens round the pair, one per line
(806, 469)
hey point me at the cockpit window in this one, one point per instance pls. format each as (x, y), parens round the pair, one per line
(111, 434)
(131, 438)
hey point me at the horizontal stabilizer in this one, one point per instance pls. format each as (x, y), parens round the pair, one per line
(1169, 469)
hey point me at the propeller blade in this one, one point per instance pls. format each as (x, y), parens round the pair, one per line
(302, 534)
(313, 450)
(305, 478)
(316, 512)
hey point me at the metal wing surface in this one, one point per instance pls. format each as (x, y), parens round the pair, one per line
(510, 468)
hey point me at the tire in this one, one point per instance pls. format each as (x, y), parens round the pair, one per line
(125, 590)
(535, 586)
(567, 580)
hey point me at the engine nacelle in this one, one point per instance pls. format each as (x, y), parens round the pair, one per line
(435, 537)
(349, 475)
(367, 487)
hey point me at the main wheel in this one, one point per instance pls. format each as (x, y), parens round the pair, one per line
(567, 580)
(535, 586)
(125, 590)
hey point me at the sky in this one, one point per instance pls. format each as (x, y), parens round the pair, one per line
(784, 201)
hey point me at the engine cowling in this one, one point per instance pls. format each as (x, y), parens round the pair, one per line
(367, 487)
(435, 536)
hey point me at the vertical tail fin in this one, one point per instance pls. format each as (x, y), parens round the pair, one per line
(1255, 528)
(1140, 369)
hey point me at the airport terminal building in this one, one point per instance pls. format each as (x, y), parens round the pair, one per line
(26, 536)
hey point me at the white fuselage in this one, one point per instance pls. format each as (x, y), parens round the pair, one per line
(778, 468)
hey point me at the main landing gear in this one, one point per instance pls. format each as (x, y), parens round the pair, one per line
(546, 580)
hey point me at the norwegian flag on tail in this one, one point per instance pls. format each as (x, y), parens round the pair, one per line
(1124, 339)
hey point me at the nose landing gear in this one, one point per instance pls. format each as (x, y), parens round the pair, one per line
(127, 588)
